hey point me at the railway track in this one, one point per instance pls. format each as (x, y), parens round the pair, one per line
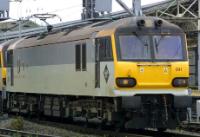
(80, 128)
(96, 130)
(89, 129)
(172, 133)
(193, 126)
(15, 133)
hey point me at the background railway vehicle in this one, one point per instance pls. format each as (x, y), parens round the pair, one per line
(130, 73)
(3, 49)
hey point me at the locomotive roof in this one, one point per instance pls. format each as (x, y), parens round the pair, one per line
(6, 44)
(87, 31)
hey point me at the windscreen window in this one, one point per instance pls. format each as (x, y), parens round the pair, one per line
(132, 47)
(168, 47)
(151, 47)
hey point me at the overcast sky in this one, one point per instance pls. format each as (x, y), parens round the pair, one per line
(66, 9)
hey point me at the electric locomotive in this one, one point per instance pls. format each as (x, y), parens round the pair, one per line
(131, 73)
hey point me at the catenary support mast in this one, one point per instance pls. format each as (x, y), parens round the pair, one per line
(88, 9)
(137, 8)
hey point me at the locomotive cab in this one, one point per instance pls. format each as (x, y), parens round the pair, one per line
(150, 70)
(151, 58)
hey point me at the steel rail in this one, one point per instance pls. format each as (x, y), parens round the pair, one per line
(9, 132)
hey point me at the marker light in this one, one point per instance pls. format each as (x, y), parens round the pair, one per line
(180, 82)
(125, 82)
(141, 23)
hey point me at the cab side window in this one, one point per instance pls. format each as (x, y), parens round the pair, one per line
(78, 57)
(84, 57)
(105, 49)
(10, 58)
(81, 57)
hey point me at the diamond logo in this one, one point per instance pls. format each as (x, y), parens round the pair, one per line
(106, 73)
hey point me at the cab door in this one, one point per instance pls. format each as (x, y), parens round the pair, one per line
(97, 64)
(104, 65)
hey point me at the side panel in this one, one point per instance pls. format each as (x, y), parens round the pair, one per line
(51, 70)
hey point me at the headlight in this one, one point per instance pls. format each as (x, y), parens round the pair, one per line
(125, 82)
(180, 82)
